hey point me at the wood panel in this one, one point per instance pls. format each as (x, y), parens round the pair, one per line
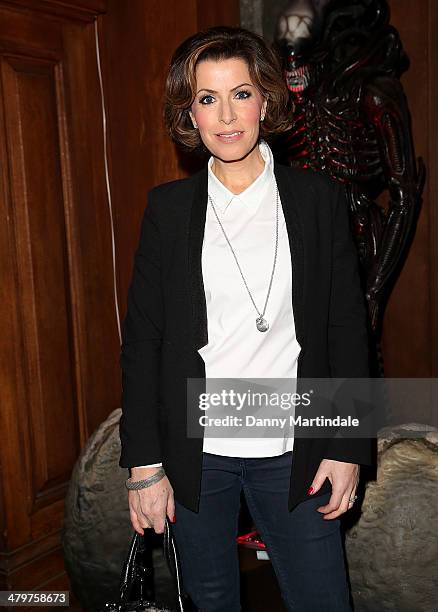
(406, 339)
(73, 10)
(41, 269)
(212, 14)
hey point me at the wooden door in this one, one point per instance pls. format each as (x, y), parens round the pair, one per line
(57, 313)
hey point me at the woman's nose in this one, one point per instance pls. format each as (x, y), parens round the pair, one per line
(227, 113)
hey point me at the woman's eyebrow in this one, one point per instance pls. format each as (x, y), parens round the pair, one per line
(213, 91)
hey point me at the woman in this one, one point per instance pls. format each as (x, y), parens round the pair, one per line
(246, 269)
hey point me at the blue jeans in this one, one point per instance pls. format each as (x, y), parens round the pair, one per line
(305, 550)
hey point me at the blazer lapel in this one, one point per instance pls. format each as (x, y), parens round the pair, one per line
(290, 194)
(198, 212)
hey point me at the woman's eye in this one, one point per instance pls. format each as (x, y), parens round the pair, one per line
(246, 94)
(206, 100)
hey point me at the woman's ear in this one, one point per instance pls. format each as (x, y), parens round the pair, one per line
(195, 125)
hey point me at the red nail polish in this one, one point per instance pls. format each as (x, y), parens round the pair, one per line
(173, 519)
(310, 491)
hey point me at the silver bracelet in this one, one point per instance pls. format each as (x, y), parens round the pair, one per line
(147, 482)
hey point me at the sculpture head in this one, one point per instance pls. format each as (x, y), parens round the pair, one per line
(314, 36)
(299, 29)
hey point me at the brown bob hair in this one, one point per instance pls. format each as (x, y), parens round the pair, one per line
(218, 43)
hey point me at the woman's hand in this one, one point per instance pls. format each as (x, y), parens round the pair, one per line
(344, 478)
(148, 507)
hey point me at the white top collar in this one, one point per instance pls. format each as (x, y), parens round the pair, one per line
(222, 197)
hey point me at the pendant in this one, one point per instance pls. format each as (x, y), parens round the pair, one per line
(262, 324)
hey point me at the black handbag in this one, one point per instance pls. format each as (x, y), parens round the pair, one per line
(133, 581)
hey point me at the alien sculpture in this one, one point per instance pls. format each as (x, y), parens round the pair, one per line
(342, 64)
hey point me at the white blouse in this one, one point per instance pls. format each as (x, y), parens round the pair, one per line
(236, 348)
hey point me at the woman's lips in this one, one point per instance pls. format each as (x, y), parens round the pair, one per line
(228, 137)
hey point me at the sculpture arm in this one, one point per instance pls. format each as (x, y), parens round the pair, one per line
(386, 108)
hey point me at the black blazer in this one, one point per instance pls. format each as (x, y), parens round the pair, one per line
(166, 323)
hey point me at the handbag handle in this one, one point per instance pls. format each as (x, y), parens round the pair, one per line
(128, 571)
(171, 556)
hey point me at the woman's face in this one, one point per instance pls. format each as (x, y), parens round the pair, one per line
(227, 108)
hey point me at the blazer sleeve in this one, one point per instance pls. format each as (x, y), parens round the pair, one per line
(141, 350)
(348, 341)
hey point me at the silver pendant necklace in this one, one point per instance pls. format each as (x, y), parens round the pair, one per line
(261, 323)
